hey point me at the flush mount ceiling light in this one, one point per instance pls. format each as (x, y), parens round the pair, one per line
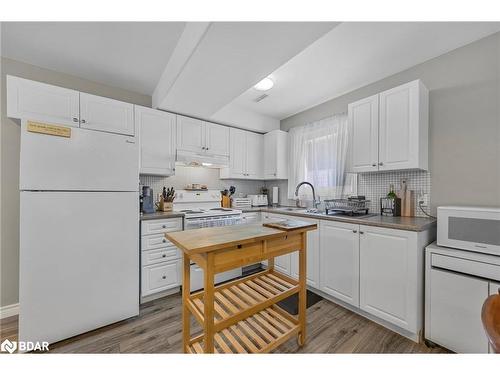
(264, 85)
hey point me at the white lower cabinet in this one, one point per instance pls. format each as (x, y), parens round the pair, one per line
(390, 274)
(161, 261)
(160, 277)
(312, 263)
(339, 261)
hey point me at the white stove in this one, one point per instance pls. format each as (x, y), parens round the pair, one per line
(202, 210)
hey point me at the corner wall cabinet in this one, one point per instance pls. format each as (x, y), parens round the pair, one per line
(276, 155)
(390, 129)
(246, 159)
(157, 135)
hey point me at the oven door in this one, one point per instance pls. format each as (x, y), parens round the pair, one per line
(473, 229)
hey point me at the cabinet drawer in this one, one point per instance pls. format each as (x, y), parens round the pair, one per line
(160, 277)
(160, 255)
(161, 226)
(467, 266)
(155, 241)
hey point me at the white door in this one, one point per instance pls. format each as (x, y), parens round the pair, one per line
(107, 115)
(87, 160)
(238, 147)
(387, 285)
(37, 101)
(79, 262)
(270, 155)
(456, 301)
(156, 130)
(339, 261)
(190, 134)
(216, 139)
(254, 155)
(313, 261)
(363, 119)
(399, 127)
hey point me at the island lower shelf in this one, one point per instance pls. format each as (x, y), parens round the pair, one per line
(246, 317)
(258, 333)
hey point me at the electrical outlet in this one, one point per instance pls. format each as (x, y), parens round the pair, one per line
(423, 199)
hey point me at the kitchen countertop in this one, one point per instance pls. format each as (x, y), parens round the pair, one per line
(161, 215)
(414, 224)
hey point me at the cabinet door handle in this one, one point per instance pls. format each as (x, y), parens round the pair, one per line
(83, 121)
(164, 277)
(206, 148)
(164, 240)
(374, 164)
(163, 226)
(361, 232)
(75, 119)
(164, 256)
(354, 231)
(380, 163)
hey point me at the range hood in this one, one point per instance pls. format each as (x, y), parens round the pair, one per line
(190, 158)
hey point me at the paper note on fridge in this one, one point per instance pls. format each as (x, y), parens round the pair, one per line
(49, 129)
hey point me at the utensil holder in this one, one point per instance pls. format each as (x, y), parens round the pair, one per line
(226, 201)
(390, 206)
(166, 206)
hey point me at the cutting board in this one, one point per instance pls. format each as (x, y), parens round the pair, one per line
(407, 202)
(287, 225)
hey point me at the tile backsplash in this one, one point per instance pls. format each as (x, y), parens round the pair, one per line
(199, 175)
(376, 185)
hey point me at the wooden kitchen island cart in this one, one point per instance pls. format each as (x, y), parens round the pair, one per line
(242, 316)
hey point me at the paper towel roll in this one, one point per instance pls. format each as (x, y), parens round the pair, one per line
(275, 196)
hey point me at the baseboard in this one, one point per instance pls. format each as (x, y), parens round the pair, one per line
(9, 310)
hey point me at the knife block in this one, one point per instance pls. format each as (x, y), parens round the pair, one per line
(226, 201)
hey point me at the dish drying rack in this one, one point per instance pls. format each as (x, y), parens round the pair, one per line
(348, 206)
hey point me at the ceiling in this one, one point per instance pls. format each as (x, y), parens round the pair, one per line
(128, 55)
(353, 55)
(208, 69)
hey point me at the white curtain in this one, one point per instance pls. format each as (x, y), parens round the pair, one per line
(317, 154)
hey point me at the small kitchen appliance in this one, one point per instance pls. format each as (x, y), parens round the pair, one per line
(258, 200)
(148, 204)
(469, 228)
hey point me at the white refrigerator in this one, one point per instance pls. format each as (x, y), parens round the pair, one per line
(79, 232)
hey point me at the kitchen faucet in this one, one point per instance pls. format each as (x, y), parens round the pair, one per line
(315, 203)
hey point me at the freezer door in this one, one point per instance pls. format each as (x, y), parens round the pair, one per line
(79, 262)
(87, 160)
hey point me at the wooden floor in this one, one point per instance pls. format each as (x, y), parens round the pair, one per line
(331, 329)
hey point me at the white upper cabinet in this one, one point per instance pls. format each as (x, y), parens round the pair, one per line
(339, 261)
(216, 139)
(363, 119)
(38, 101)
(201, 137)
(156, 131)
(246, 155)
(403, 127)
(390, 129)
(190, 134)
(276, 155)
(104, 114)
(254, 155)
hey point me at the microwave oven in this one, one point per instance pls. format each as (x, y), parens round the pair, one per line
(469, 228)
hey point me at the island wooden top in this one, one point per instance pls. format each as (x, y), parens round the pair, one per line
(204, 240)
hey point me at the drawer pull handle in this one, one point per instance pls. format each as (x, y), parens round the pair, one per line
(164, 240)
(163, 226)
(361, 232)
(354, 231)
(164, 277)
(164, 255)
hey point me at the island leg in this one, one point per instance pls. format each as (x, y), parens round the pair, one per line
(208, 327)
(302, 290)
(186, 318)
